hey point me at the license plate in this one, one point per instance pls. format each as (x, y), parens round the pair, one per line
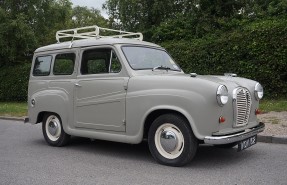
(242, 145)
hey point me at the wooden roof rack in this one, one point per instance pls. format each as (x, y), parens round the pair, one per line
(95, 32)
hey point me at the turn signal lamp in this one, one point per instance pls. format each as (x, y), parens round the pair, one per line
(257, 111)
(221, 119)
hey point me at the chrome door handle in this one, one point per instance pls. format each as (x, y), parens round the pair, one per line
(77, 85)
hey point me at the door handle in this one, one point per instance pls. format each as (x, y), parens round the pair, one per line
(77, 85)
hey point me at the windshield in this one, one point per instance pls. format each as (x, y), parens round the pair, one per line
(149, 58)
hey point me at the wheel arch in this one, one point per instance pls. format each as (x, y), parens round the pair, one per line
(156, 112)
(41, 115)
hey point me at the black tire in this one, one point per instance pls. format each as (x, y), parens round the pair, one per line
(174, 123)
(226, 146)
(60, 138)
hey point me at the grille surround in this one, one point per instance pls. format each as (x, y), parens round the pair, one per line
(241, 106)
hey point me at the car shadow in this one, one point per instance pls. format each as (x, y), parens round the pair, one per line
(206, 156)
(112, 149)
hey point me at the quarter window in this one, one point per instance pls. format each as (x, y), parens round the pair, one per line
(64, 64)
(98, 61)
(42, 66)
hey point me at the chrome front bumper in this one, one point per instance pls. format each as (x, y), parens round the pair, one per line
(219, 140)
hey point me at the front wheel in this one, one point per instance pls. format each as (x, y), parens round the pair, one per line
(53, 131)
(171, 140)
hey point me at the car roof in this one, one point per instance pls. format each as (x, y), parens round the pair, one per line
(93, 42)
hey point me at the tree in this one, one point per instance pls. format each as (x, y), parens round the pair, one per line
(28, 24)
(17, 38)
(167, 19)
(147, 15)
(143, 14)
(83, 16)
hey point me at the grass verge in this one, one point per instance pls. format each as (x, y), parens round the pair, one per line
(273, 105)
(14, 109)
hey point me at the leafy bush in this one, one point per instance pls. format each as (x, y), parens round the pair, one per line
(257, 51)
(14, 82)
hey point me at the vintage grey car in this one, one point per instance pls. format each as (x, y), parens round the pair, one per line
(119, 88)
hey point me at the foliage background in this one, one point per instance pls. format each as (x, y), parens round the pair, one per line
(14, 82)
(258, 51)
(246, 37)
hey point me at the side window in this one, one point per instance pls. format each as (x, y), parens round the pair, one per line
(96, 66)
(64, 64)
(42, 66)
(97, 61)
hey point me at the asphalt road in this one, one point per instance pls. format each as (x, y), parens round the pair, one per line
(25, 158)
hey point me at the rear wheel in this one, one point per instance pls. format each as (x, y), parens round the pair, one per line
(53, 131)
(171, 140)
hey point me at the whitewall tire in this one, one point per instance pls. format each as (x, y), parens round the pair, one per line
(53, 131)
(171, 140)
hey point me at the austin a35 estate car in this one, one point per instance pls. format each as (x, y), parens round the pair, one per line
(119, 88)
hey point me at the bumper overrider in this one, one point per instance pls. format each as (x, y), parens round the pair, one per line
(219, 140)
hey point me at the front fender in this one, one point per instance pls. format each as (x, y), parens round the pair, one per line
(194, 106)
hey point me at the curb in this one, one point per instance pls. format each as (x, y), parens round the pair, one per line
(272, 139)
(12, 118)
(260, 138)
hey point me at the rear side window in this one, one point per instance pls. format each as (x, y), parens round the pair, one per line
(64, 64)
(42, 66)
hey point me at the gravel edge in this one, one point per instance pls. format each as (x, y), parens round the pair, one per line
(260, 138)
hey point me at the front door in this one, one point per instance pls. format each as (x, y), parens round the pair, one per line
(100, 91)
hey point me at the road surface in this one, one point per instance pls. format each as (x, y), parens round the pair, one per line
(25, 158)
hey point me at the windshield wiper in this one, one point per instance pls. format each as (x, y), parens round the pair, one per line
(161, 67)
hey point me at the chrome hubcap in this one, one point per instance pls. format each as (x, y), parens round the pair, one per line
(53, 127)
(168, 141)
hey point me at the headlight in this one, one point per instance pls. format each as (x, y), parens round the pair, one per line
(222, 95)
(258, 91)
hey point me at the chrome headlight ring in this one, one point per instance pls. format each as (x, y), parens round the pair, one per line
(258, 91)
(222, 95)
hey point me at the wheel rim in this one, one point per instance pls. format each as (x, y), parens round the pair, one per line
(53, 128)
(169, 141)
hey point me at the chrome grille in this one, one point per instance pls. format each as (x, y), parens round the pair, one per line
(242, 106)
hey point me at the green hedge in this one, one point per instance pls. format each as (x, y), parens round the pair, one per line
(257, 51)
(14, 82)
